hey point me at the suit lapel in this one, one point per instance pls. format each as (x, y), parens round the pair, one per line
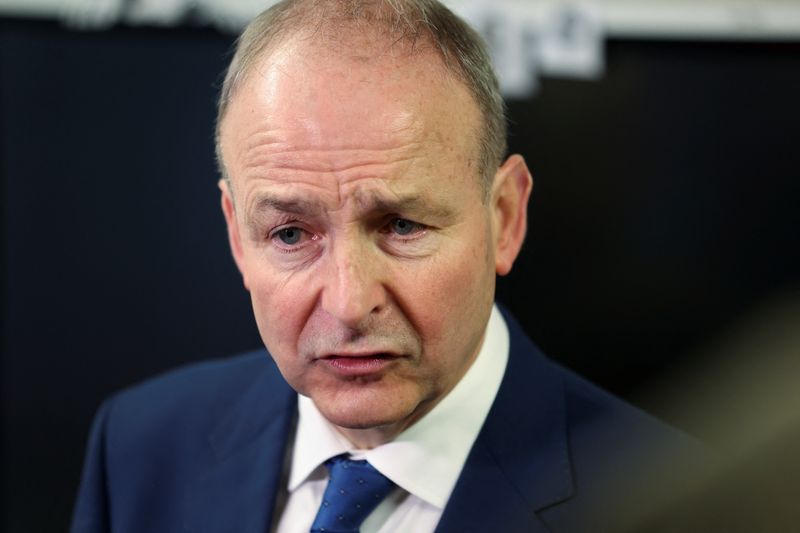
(519, 463)
(237, 492)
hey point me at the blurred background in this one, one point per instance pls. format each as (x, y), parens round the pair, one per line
(662, 259)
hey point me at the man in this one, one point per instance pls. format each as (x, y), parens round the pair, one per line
(368, 211)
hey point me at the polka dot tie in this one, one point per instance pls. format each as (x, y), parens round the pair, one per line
(354, 490)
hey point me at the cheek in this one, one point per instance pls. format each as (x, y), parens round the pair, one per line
(453, 297)
(279, 306)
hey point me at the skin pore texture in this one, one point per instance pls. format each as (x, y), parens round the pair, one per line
(357, 220)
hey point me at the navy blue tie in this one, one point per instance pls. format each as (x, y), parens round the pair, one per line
(354, 490)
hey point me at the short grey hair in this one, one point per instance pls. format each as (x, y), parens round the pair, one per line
(462, 51)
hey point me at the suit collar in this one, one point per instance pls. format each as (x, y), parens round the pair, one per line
(520, 462)
(238, 489)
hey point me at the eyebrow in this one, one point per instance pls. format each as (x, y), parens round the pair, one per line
(297, 206)
(371, 203)
(405, 204)
(384, 205)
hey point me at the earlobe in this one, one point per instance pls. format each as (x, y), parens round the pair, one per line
(234, 238)
(512, 189)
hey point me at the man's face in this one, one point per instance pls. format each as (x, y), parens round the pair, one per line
(358, 223)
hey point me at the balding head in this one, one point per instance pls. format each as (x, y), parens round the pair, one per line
(423, 28)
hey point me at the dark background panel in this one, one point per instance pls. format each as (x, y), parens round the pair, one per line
(665, 203)
(115, 256)
(664, 210)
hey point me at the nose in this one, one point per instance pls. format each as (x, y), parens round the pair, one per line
(353, 286)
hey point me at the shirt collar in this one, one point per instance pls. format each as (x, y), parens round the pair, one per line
(425, 459)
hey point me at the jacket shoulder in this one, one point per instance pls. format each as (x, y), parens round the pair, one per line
(190, 399)
(153, 442)
(596, 412)
(201, 380)
(626, 463)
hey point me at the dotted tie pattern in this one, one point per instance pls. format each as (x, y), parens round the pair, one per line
(354, 490)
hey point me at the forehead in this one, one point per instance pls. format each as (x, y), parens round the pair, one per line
(302, 96)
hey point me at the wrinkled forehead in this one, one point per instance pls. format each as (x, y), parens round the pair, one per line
(359, 94)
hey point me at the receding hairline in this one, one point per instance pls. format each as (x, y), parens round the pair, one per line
(412, 27)
(323, 33)
(294, 47)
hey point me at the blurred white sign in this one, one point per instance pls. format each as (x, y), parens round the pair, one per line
(227, 15)
(556, 37)
(640, 19)
(510, 32)
(571, 39)
(526, 38)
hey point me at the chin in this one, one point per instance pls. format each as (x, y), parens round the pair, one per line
(363, 419)
(364, 411)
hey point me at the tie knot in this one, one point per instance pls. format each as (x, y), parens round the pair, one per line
(354, 490)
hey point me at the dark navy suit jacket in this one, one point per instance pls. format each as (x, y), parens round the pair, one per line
(202, 449)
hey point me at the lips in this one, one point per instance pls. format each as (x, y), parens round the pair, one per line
(362, 364)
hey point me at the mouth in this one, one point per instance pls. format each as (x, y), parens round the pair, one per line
(362, 364)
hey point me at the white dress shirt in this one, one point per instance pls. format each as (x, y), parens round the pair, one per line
(424, 461)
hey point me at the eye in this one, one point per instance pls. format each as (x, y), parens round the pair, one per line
(402, 226)
(289, 236)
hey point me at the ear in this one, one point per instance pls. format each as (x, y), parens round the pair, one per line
(234, 238)
(510, 193)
